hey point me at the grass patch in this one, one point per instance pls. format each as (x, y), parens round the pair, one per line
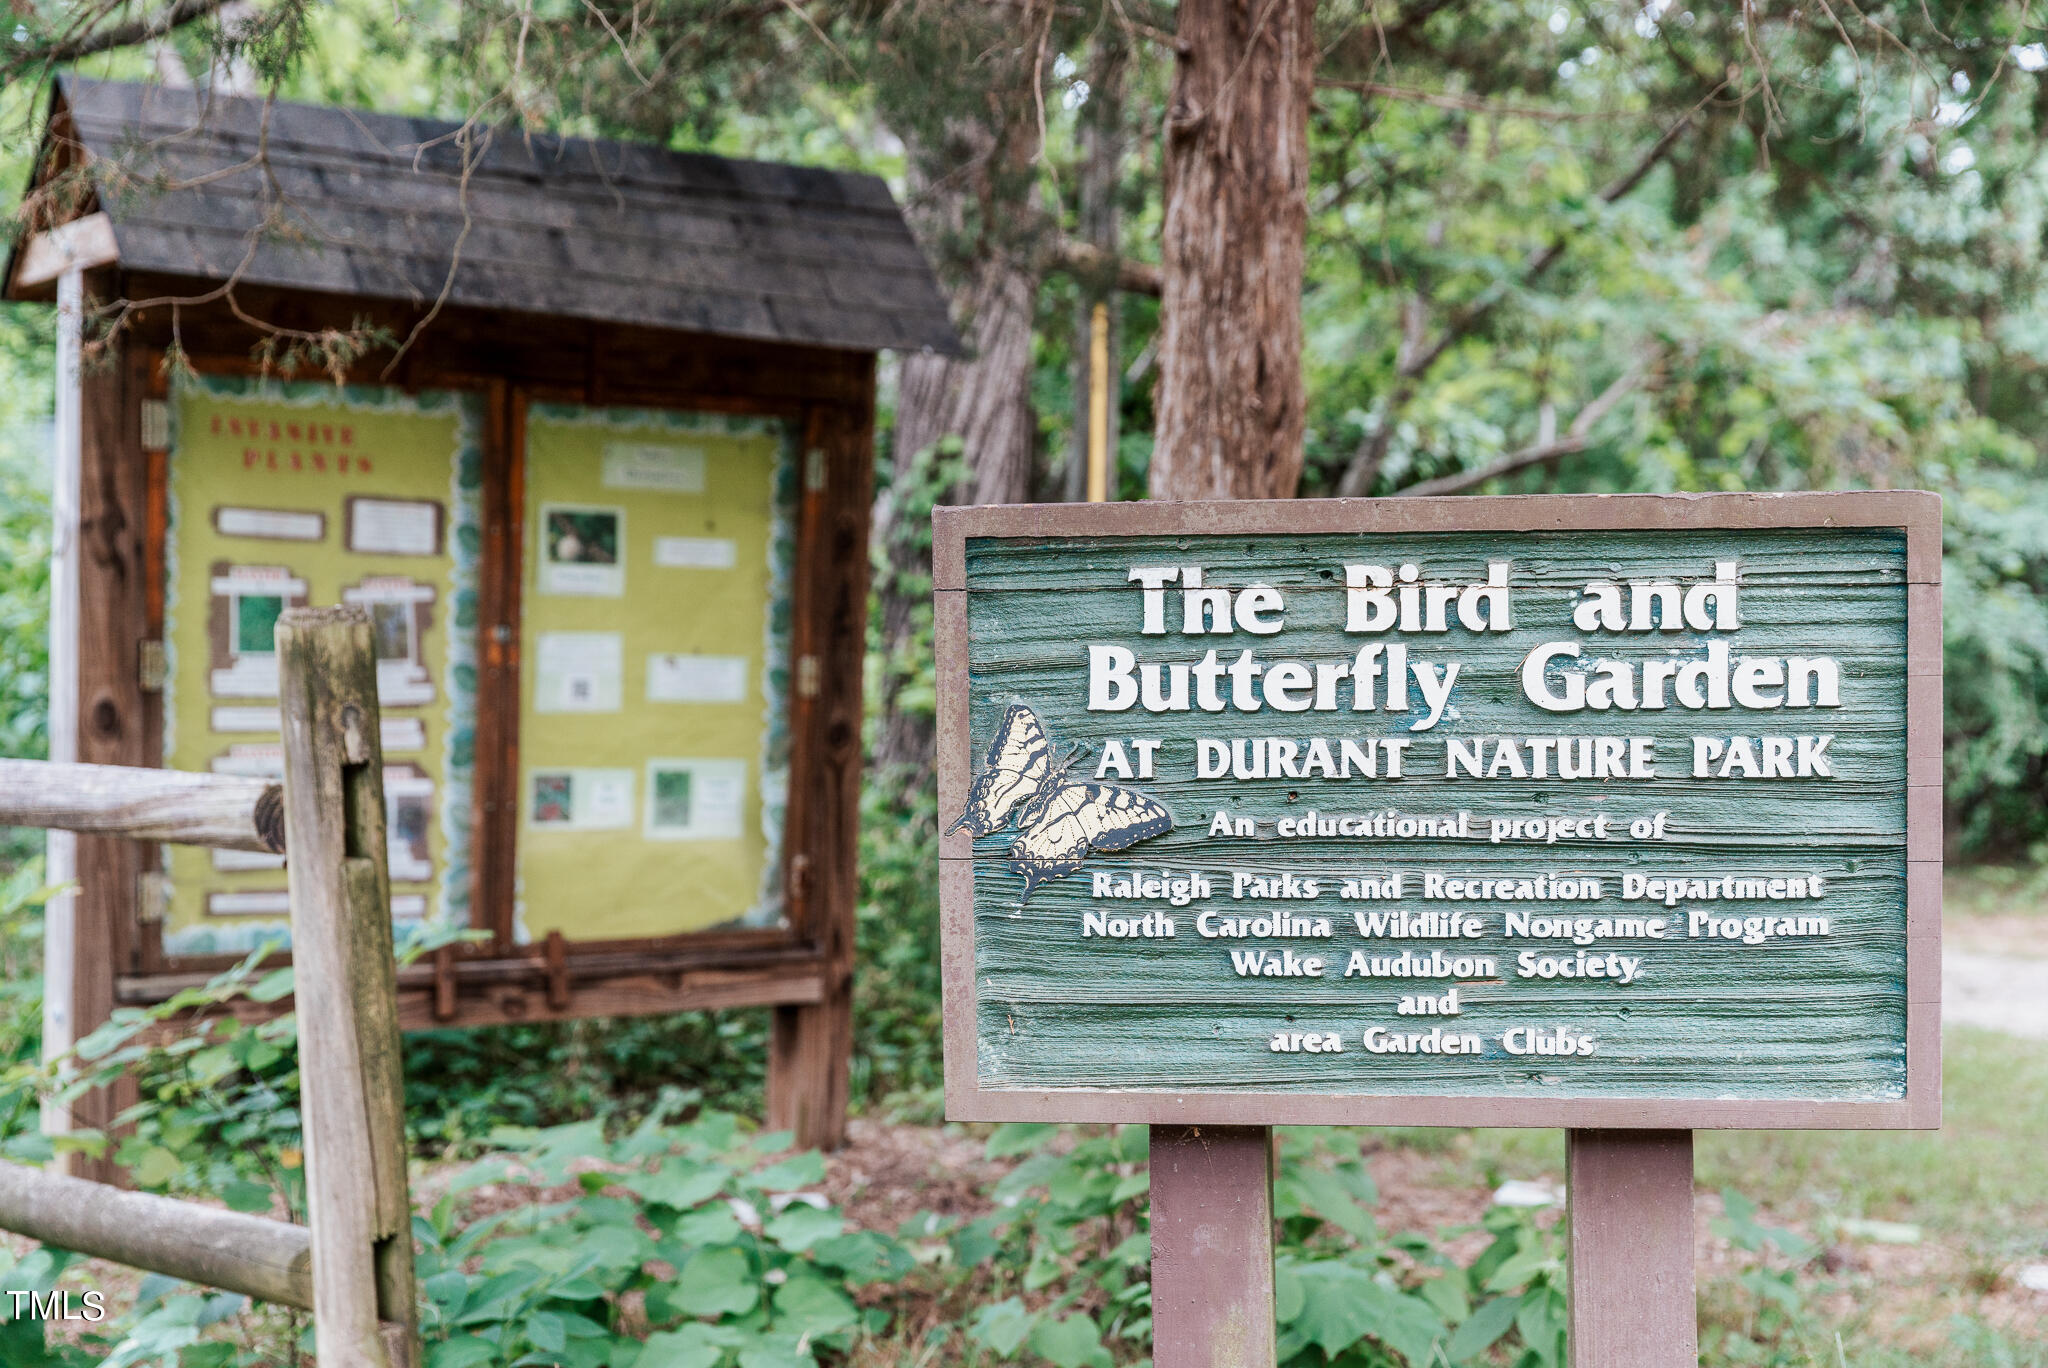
(1977, 1178)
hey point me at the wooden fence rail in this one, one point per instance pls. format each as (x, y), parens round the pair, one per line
(224, 811)
(269, 1260)
(352, 1264)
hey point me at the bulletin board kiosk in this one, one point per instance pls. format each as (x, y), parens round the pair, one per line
(588, 432)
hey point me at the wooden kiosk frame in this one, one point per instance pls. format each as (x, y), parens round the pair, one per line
(110, 557)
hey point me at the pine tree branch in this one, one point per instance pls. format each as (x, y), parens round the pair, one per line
(1577, 438)
(1364, 465)
(1473, 314)
(82, 40)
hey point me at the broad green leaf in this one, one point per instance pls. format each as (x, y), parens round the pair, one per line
(447, 1290)
(544, 1330)
(799, 1227)
(715, 1282)
(974, 1243)
(272, 986)
(799, 1170)
(243, 1195)
(1288, 1293)
(1510, 1276)
(1343, 1303)
(1002, 1327)
(1326, 1194)
(1075, 1342)
(863, 1256)
(708, 1225)
(1481, 1329)
(1018, 1137)
(1446, 1292)
(811, 1307)
(687, 1346)
(156, 1167)
(679, 1183)
(777, 1351)
(1540, 1318)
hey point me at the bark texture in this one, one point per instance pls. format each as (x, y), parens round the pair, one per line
(974, 210)
(1230, 398)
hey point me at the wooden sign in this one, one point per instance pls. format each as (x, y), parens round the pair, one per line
(1579, 811)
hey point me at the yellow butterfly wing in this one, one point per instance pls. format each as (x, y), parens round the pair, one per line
(1079, 820)
(1016, 766)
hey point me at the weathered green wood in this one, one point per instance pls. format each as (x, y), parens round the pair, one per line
(1820, 1018)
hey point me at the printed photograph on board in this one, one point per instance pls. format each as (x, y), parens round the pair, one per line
(695, 800)
(583, 799)
(246, 602)
(582, 550)
(554, 799)
(672, 798)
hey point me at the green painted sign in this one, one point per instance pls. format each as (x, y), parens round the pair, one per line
(1611, 817)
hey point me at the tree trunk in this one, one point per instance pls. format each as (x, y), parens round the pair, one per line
(1230, 396)
(984, 399)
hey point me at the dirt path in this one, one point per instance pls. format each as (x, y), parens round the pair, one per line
(1999, 991)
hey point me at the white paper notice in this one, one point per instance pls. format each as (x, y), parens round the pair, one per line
(578, 672)
(231, 719)
(402, 733)
(654, 465)
(695, 553)
(394, 527)
(274, 524)
(696, 679)
(695, 800)
(259, 903)
(580, 799)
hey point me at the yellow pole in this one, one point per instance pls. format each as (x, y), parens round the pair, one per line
(1098, 404)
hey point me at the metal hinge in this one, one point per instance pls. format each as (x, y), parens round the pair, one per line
(156, 425)
(814, 469)
(808, 676)
(150, 895)
(153, 667)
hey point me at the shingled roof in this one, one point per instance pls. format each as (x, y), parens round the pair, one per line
(206, 186)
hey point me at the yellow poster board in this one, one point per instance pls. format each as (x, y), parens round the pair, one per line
(288, 494)
(653, 672)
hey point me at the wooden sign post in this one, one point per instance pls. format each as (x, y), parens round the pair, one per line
(1620, 814)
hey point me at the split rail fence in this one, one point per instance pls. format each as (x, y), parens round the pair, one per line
(352, 1264)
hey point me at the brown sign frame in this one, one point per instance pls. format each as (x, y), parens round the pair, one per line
(1916, 513)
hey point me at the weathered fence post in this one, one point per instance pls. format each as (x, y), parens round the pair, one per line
(1212, 1247)
(357, 1200)
(1630, 1249)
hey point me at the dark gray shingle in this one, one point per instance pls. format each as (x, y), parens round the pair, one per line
(303, 196)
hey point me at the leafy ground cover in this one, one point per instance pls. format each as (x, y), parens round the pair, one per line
(658, 1229)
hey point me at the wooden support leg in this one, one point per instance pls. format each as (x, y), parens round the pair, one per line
(1212, 1247)
(810, 1049)
(1632, 1302)
(357, 1199)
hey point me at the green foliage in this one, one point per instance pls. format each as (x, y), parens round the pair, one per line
(1766, 1322)
(461, 1085)
(1070, 1245)
(1995, 654)
(897, 1033)
(765, 1275)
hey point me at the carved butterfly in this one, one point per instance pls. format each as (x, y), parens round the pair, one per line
(1060, 823)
